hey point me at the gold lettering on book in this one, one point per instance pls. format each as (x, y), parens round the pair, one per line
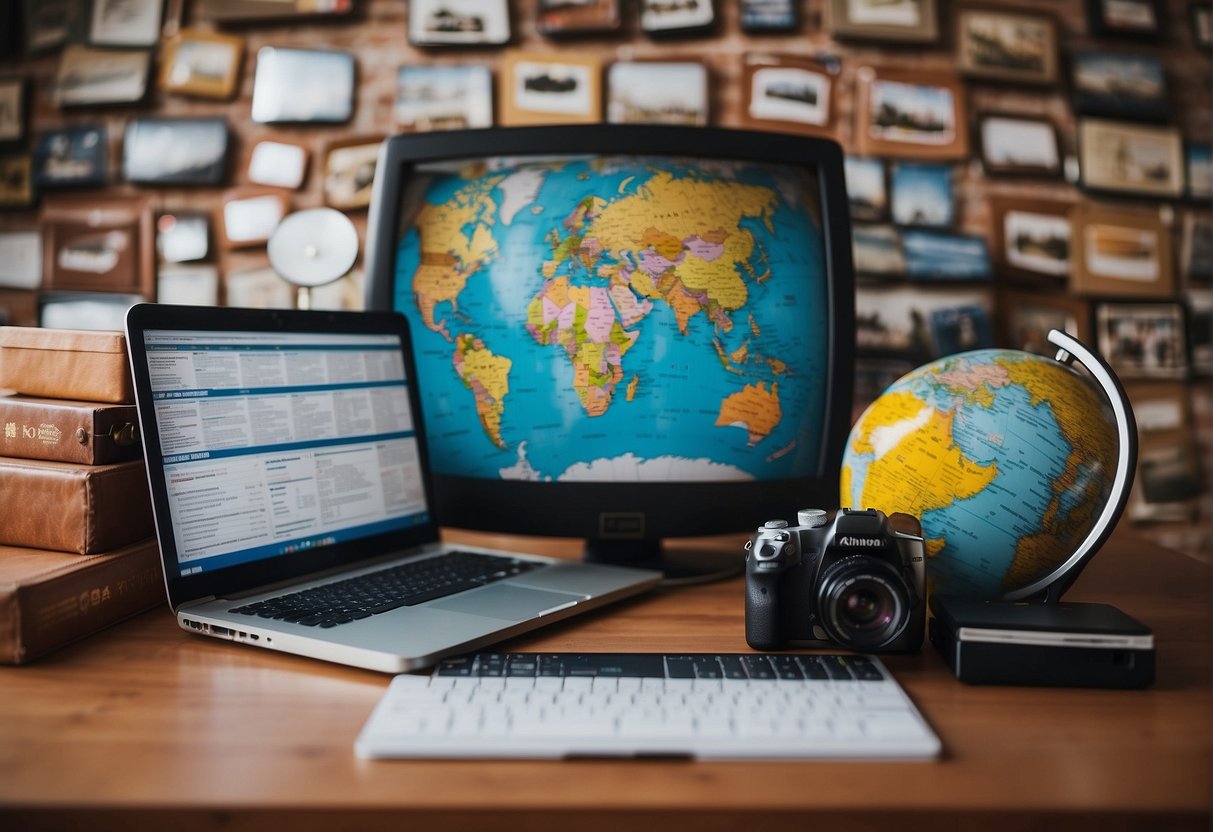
(49, 434)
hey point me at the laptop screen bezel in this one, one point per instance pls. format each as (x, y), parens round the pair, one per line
(142, 318)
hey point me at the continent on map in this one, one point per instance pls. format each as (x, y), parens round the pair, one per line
(753, 409)
(488, 377)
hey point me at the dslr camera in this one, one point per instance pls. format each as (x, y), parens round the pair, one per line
(856, 579)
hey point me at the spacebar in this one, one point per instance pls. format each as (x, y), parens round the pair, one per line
(428, 595)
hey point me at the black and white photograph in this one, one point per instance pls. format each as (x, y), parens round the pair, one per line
(1019, 145)
(760, 16)
(17, 181)
(867, 189)
(1035, 240)
(48, 23)
(13, 111)
(1131, 85)
(298, 86)
(939, 257)
(189, 285)
(91, 77)
(922, 194)
(442, 97)
(657, 92)
(459, 22)
(249, 217)
(789, 93)
(561, 18)
(551, 89)
(876, 250)
(905, 21)
(279, 163)
(71, 157)
(177, 151)
(182, 237)
(1138, 159)
(202, 64)
(349, 172)
(676, 17)
(1143, 340)
(125, 22)
(1139, 19)
(20, 258)
(1006, 45)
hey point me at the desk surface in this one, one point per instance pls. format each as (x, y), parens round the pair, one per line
(190, 732)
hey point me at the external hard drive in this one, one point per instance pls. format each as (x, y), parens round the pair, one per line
(1019, 643)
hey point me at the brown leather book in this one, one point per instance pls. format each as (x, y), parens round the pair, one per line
(69, 507)
(60, 430)
(50, 599)
(65, 364)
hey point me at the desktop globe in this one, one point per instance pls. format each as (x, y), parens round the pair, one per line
(1008, 458)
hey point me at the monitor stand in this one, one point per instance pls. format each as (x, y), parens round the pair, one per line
(679, 566)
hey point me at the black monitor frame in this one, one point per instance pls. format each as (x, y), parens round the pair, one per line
(617, 519)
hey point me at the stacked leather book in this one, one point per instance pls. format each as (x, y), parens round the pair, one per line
(77, 547)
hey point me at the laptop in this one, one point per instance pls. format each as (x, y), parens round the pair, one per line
(287, 461)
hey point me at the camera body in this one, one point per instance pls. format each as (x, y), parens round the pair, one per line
(856, 579)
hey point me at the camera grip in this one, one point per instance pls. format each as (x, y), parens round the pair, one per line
(762, 612)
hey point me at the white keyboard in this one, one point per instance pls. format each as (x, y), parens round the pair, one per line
(707, 706)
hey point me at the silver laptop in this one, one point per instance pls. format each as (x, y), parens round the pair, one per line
(287, 462)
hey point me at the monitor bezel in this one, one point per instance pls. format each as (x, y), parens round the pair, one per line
(688, 509)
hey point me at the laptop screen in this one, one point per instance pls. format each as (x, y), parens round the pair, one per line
(275, 443)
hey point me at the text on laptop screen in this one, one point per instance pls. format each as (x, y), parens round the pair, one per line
(275, 443)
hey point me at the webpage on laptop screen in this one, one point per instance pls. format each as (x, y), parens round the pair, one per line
(274, 443)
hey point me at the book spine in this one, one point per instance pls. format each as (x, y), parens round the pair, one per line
(73, 508)
(39, 617)
(86, 434)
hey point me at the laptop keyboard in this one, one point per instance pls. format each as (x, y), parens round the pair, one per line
(405, 585)
(710, 706)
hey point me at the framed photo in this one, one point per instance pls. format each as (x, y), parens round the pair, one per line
(49, 23)
(1032, 239)
(1025, 319)
(677, 17)
(1019, 145)
(125, 22)
(1120, 252)
(243, 11)
(98, 245)
(1125, 18)
(1006, 45)
(459, 22)
(922, 194)
(1168, 479)
(349, 172)
(787, 93)
(866, 189)
(203, 64)
(17, 181)
(182, 237)
(919, 323)
(249, 216)
(279, 163)
(14, 111)
(911, 115)
(1200, 329)
(1199, 20)
(436, 97)
(72, 157)
(961, 329)
(1198, 171)
(1160, 407)
(1143, 340)
(303, 86)
(876, 250)
(935, 256)
(762, 16)
(1196, 248)
(1137, 159)
(558, 18)
(85, 310)
(1119, 85)
(657, 92)
(550, 89)
(258, 289)
(91, 77)
(897, 21)
(194, 285)
(176, 151)
(21, 259)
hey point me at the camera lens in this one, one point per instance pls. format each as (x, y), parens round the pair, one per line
(864, 603)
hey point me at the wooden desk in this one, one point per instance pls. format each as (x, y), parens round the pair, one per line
(148, 726)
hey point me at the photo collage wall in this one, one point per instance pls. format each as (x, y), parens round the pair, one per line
(1012, 167)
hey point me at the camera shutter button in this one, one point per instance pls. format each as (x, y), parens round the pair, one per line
(776, 524)
(812, 517)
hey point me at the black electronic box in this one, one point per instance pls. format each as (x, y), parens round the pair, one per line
(1055, 644)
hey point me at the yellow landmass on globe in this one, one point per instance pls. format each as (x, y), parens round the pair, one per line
(488, 377)
(754, 409)
(449, 256)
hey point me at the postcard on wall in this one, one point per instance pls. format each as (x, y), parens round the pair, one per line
(280, 163)
(1141, 19)
(1143, 340)
(677, 17)
(349, 172)
(1198, 171)
(245, 11)
(1019, 145)
(558, 18)
(911, 115)
(657, 92)
(21, 259)
(203, 64)
(787, 93)
(91, 77)
(1119, 85)
(125, 22)
(300, 86)
(920, 323)
(17, 181)
(762, 16)
(182, 237)
(1138, 159)
(13, 111)
(1032, 239)
(71, 157)
(937, 257)
(195, 285)
(249, 216)
(1006, 45)
(906, 21)
(1196, 248)
(1026, 319)
(178, 151)
(876, 250)
(867, 190)
(922, 194)
(49, 23)
(550, 89)
(459, 22)
(98, 245)
(443, 97)
(1121, 252)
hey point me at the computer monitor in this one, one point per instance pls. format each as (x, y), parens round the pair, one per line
(623, 333)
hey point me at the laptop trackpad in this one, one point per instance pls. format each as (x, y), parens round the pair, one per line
(509, 603)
